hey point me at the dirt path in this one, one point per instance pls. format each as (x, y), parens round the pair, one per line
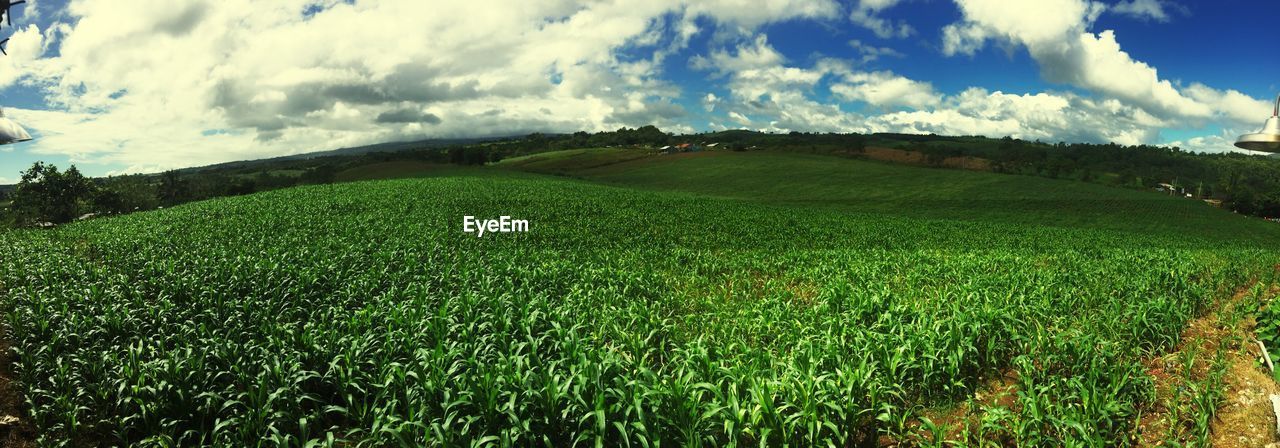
(1246, 418)
(1223, 341)
(15, 429)
(1217, 354)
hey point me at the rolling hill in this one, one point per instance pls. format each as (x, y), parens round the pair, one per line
(714, 298)
(885, 188)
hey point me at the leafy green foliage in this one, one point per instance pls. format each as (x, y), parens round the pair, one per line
(360, 314)
(806, 180)
(1247, 184)
(47, 194)
(1268, 331)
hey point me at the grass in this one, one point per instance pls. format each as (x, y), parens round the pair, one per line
(397, 170)
(882, 188)
(573, 160)
(703, 300)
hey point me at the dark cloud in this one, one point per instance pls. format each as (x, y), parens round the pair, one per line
(185, 20)
(233, 98)
(407, 116)
(661, 111)
(304, 98)
(414, 82)
(409, 84)
(266, 136)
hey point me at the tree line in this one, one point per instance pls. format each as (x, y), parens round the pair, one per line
(1246, 184)
(45, 194)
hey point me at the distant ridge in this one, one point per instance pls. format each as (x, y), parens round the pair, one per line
(351, 151)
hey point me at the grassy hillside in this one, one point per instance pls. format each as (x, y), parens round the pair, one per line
(883, 188)
(774, 300)
(574, 160)
(396, 170)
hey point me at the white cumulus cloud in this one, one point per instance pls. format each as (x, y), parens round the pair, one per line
(155, 84)
(1056, 34)
(871, 52)
(782, 97)
(1157, 10)
(866, 13)
(885, 89)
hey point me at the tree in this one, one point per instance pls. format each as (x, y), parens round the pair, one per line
(267, 181)
(45, 194)
(1086, 175)
(108, 201)
(858, 144)
(135, 190)
(495, 155)
(323, 174)
(651, 135)
(474, 156)
(241, 187)
(173, 188)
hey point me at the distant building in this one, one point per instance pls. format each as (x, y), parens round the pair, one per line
(683, 147)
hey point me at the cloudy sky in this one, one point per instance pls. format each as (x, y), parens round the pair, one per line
(118, 86)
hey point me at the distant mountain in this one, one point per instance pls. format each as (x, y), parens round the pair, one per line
(353, 151)
(393, 147)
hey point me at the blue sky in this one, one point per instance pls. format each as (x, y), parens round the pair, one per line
(120, 86)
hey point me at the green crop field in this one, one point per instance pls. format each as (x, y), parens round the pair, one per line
(574, 160)
(395, 170)
(881, 188)
(735, 299)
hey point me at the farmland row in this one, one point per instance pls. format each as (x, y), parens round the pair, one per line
(361, 312)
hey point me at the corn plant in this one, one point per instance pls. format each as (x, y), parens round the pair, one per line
(360, 315)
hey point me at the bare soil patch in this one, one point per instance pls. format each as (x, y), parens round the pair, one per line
(1244, 417)
(996, 393)
(16, 430)
(919, 158)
